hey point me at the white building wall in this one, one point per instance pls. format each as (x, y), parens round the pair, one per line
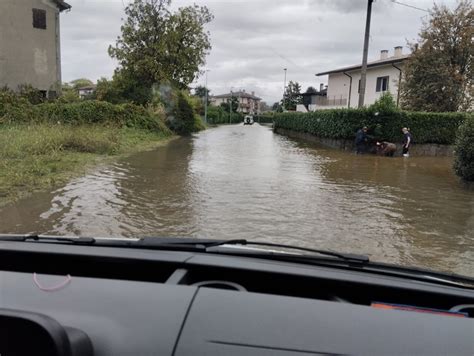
(218, 101)
(338, 85)
(301, 108)
(371, 95)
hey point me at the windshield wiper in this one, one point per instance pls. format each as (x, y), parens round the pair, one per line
(207, 244)
(181, 244)
(52, 239)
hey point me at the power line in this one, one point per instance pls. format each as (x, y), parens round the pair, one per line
(407, 5)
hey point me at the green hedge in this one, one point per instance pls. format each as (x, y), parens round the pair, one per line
(217, 115)
(464, 154)
(343, 123)
(265, 118)
(80, 113)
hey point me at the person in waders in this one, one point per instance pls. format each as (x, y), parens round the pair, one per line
(361, 140)
(407, 139)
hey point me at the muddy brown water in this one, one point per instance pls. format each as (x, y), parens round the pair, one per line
(247, 182)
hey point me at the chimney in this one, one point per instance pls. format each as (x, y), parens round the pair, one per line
(243, 90)
(253, 93)
(398, 51)
(321, 87)
(384, 54)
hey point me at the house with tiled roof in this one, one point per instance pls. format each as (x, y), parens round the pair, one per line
(249, 103)
(383, 75)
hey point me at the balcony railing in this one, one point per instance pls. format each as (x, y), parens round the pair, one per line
(330, 101)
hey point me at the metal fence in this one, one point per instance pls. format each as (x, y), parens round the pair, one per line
(330, 101)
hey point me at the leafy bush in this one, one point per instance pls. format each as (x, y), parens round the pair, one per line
(123, 89)
(69, 95)
(197, 104)
(218, 115)
(183, 119)
(17, 110)
(464, 156)
(384, 104)
(33, 95)
(426, 127)
(9, 100)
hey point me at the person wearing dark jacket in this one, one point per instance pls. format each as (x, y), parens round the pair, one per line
(407, 140)
(361, 140)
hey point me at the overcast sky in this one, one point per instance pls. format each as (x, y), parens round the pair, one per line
(253, 40)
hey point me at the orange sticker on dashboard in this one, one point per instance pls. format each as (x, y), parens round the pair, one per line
(418, 309)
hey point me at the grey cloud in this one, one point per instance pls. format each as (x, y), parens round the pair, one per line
(253, 40)
(345, 6)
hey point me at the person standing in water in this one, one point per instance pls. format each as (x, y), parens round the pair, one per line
(407, 140)
(361, 140)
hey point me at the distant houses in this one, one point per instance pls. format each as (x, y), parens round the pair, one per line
(383, 75)
(30, 51)
(86, 92)
(248, 102)
(313, 98)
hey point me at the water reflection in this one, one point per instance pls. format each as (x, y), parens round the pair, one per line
(430, 214)
(245, 182)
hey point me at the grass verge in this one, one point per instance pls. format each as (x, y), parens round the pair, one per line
(37, 157)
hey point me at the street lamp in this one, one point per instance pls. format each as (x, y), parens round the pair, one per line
(205, 104)
(284, 89)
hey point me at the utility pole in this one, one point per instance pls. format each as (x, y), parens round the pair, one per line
(363, 74)
(205, 104)
(240, 98)
(230, 107)
(284, 89)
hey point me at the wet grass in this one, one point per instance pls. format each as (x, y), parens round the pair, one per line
(37, 157)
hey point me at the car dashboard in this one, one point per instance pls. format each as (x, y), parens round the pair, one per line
(117, 301)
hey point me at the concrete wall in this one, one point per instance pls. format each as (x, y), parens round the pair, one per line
(433, 150)
(29, 55)
(338, 85)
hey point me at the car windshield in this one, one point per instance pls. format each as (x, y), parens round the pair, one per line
(336, 125)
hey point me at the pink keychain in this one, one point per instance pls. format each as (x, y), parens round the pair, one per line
(53, 288)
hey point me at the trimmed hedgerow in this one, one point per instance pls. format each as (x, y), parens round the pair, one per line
(426, 127)
(464, 154)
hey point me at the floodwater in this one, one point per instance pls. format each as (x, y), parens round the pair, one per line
(247, 182)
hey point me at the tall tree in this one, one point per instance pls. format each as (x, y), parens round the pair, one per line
(292, 96)
(264, 107)
(200, 91)
(159, 45)
(80, 83)
(307, 99)
(439, 75)
(277, 107)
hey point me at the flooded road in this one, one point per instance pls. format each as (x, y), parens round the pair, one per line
(247, 182)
